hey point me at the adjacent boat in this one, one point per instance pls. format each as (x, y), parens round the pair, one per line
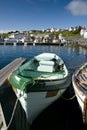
(39, 82)
(79, 81)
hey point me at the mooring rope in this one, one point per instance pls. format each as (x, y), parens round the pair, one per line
(69, 98)
(12, 114)
(22, 88)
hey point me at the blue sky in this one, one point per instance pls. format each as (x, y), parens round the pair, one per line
(42, 14)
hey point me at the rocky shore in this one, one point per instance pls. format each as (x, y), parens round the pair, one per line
(77, 41)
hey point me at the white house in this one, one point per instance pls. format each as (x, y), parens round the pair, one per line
(20, 37)
(61, 38)
(85, 35)
(83, 32)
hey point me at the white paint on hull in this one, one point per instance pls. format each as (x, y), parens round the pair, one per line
(79, 84)
(57, 82)
(34, 103)
(80, 96)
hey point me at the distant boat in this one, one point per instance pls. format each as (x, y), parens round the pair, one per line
(79, 81)
(40, 82)
(10, 40)
(62, 39)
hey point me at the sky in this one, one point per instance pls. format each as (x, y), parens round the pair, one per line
(24, 15)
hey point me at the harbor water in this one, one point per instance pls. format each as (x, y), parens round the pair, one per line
(63, 114)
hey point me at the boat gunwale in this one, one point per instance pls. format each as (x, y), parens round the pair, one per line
(33, 88)
(75, 80)
(40, 87)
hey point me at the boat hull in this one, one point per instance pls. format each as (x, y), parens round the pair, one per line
(34, 103)
(80, 92)
(82, 101)
(55, 82)
(39, 82)
(37, 100)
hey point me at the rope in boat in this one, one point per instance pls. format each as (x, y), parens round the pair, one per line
(45, 78)
(22, 88)
(71, 98)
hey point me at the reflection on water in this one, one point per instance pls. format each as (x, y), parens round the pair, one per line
(73, 56)
(62, 115)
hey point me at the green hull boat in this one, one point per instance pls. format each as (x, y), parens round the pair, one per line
(42, 80)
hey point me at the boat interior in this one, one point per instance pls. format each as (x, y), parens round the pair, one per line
(41, 69)
(81, 78)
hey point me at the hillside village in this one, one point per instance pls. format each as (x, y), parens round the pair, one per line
(50, 35)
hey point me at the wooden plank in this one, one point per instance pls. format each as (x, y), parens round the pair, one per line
(5, 72)
(82, 81)
(84, 72)
(2, 120)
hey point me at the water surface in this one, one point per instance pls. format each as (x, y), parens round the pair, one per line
(72, 56)
(61, 115)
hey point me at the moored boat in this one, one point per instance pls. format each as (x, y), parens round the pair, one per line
(39, 82)
(79, 81)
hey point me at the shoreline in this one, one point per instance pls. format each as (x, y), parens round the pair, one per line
(27, 43)
(73, 41)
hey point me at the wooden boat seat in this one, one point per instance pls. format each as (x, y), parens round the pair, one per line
(82, 81)
(83, 72)
(46, 66)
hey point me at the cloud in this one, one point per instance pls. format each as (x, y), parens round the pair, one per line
(77, 7)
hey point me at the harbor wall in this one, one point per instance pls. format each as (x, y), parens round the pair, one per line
(69, 41)
(27, 43)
